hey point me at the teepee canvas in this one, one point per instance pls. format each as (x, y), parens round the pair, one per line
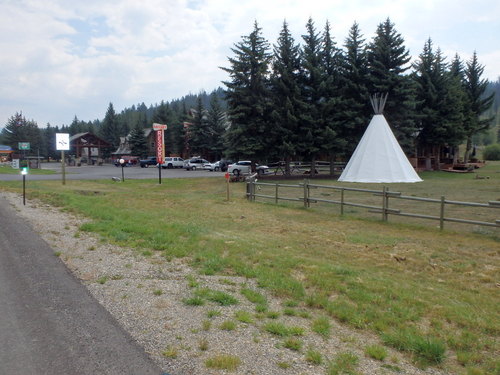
(378, 156)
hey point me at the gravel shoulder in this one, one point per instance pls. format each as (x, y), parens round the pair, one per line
(147, 294)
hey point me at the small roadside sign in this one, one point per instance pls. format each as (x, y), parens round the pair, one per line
(157, 126)
(23, 145)
(226, 176)
(62, 141)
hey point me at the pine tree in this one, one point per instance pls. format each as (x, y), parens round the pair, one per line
(312, 130)
(199, 134)
(439, 104)
(217, 125)
(356, 111)
(109, 129)
(137, 142)
(19, 129)
(286, 98)
(475, 87)
(332, 101)
(388, 60)
(248, 98)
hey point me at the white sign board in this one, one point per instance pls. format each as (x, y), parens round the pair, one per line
(15, 163)
(62, 141)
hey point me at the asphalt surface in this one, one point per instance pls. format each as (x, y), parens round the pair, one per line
(108, 171)
(49, 323)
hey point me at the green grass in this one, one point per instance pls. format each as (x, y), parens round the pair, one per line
(280, 329)
(377, 352)
(343, 363)
(243, 316)
(9, 170)
(293, 343)
(314, 357)
(321, 326)
(228, 325)
(223, 362)
(219, 297)
(342, 268)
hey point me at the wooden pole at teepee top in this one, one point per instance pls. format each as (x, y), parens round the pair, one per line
(378, 102)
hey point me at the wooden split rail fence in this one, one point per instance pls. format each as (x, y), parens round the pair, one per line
(384, 209)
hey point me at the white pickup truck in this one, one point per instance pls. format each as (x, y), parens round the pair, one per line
(173, 162)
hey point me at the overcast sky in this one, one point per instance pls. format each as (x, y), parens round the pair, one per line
(61, 58)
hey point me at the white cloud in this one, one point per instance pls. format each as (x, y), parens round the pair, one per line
(64, 58)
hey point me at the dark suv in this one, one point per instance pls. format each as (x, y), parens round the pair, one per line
(224, 163)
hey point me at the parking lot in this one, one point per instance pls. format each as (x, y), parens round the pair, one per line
(110, 171)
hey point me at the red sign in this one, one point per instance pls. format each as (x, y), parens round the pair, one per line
(157, 126)
(226, 176)
(160, 154)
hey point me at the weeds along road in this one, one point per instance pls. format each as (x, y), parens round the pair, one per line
(108, 171)
(49, 323)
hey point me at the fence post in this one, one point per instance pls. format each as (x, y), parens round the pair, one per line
(441, 214)
(385, 203)
(248, 191)
(342, 201)
(306, 193)
(276, 194)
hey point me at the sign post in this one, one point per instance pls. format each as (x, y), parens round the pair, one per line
(62, 144)
(24, 172)
(160, 149)
(227, 185)
(122, 163)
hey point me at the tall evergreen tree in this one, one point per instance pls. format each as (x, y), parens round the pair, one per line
(312, 131)
(248, 97)
(356, 111)
(439, 104)
(137, 142)
(217, 125)
(19, 129)
(110, 129)
(332, 101)
(199, 132)
(477, 105)
(287, 103)
(388, 60)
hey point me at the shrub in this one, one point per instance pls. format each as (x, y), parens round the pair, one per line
(492, 152)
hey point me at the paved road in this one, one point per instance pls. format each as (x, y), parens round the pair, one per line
(49, 323)
(108, 171)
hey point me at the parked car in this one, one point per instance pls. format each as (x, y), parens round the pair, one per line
(194, 164)
(151, 160)
(213, 167)
(245, 167)
(173, 162)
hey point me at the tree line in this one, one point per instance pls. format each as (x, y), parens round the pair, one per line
(310, 100)
(306, 101)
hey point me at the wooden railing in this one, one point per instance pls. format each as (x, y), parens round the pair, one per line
(307, 198)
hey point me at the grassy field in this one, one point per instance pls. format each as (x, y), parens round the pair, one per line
(432, 294)
(479, 187)
(4, 169)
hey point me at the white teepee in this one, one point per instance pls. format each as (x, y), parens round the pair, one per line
(378, 156)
